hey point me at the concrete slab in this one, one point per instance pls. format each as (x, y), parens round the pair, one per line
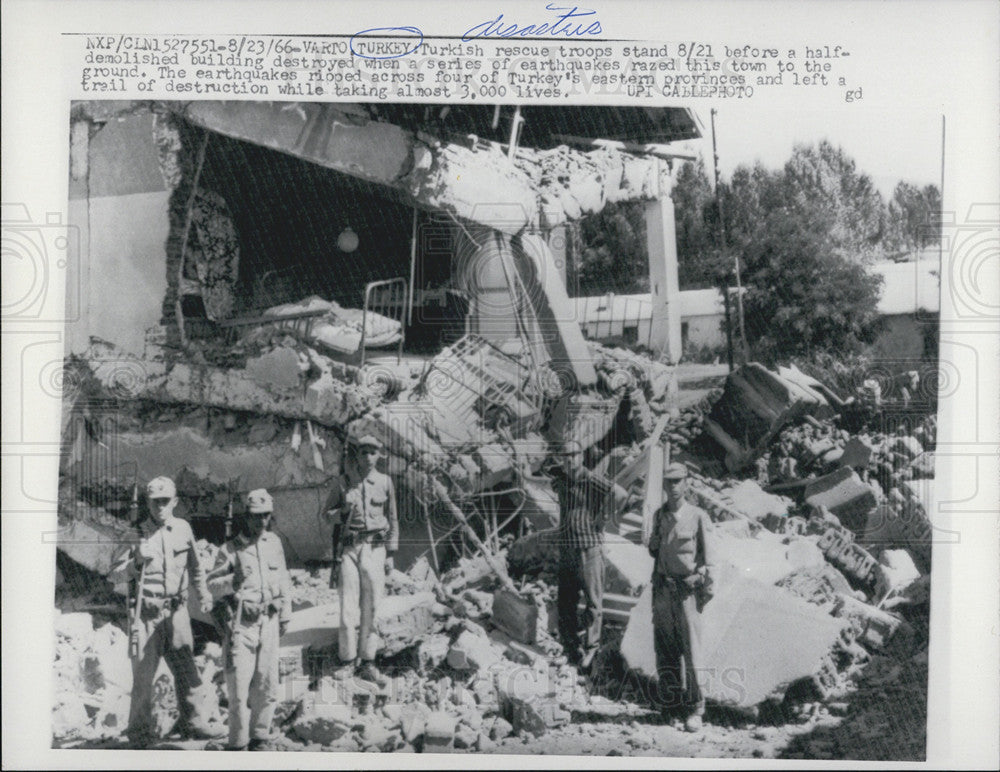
(757, 639)
(627, 566)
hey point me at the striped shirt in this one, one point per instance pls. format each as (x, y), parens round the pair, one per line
(585, 505)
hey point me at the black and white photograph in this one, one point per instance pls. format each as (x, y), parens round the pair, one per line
(456, 418)
(490, 428)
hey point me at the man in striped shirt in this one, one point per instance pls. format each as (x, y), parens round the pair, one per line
(586, 502)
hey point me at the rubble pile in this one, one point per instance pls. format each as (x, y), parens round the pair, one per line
(572, 184)
(820, 533)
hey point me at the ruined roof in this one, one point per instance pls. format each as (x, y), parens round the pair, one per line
(547, 126)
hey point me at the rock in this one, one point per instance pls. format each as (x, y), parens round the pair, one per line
(278, 367)
(898, 571)
(909, 447)
(422, 573)
(484, 744)
(500, 729)
(472, 652)
(529, 704)
(857, 453)
(433, 650)
(439, 732)
(466, 737)
(515, 615)
(412, 721)
(323, 722)
(376, 735)
(922, 467)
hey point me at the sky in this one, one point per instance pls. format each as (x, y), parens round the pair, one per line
(886, 147)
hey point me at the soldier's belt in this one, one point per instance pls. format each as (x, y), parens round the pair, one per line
(362, 537)
(153, 604)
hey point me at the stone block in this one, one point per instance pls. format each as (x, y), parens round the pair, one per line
(466, 738)
(472, 652)
(516, 616)
(322, 722)
(845, 495)
(439, 732)
(500, 729)
(857, 453)
(413, 721)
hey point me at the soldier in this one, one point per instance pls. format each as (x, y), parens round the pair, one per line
(585, 502)
(362, 509)
(682, 583)
(251, 580)
(162, 565)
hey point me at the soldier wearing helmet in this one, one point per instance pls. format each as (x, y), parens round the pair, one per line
(163, 565)
(251, 580)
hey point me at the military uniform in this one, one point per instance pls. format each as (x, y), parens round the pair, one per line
(682, 577)
(250, 575)
(363, 512)
(164, 565)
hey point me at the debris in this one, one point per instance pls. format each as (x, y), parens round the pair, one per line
(845, 495)
(872, 626)
(472, 652)
(515, 615)
(755, 404)
(839, 547)
(323, 722)
(757, 640)
(857, 453)
(439, 732)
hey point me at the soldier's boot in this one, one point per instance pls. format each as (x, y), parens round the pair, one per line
(346, 669)
(368, 672)
(192, 725)
(257, 744)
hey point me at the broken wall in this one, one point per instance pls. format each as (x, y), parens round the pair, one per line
(118, 199)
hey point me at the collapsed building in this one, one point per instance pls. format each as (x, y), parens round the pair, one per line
(263, 281)
(275, 276)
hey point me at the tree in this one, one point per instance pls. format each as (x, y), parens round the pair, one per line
(697, 227)
(613, 250)
(802, 294)
(913, 216)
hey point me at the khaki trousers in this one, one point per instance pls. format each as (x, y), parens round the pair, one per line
(167, 635)
(362, 585)
(252, 680)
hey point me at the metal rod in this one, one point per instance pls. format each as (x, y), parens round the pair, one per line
(722, 248)
(413, 268)
(430, 537)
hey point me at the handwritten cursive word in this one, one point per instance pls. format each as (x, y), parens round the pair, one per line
(562, 26)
